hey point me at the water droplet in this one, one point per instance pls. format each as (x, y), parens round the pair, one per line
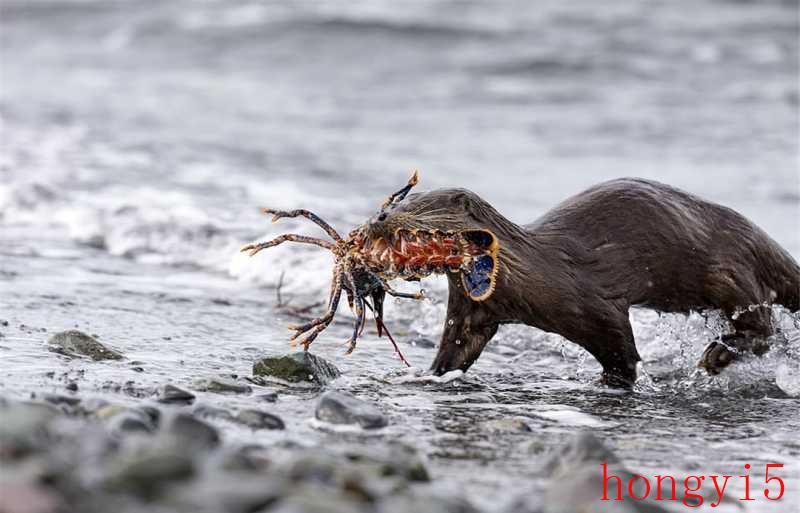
(450, 322)
(458, 341)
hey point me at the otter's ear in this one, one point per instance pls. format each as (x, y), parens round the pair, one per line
(479, 276)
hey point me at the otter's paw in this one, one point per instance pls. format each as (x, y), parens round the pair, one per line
(716, 357)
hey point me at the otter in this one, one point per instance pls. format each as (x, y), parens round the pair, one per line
(578, 269)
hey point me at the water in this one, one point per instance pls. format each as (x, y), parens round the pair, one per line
(140, 138)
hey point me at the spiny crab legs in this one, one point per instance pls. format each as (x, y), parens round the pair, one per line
(364, 264)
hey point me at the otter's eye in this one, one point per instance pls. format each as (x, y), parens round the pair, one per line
(382, 216)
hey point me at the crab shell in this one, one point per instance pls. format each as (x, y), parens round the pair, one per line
(415, 254)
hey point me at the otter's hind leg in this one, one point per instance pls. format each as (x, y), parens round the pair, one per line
(751, 329)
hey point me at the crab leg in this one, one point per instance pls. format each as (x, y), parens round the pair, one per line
(278, 214)
(351, 344)
(389, 290)
(319, 324)
(291, 237)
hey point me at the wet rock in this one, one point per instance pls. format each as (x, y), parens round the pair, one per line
(297, 367)
(148, 474)
(170, 394)
(507, 426)
(258, 419)
(208, 411)
(343, 408)
(221, 386)
(193, 433)
(74, 343)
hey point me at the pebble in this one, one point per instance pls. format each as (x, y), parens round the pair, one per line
(258, 419)
(344, 408)
(73, 343)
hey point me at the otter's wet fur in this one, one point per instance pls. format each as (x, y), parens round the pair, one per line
(578, 269)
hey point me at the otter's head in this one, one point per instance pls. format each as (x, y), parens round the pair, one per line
(435, 232)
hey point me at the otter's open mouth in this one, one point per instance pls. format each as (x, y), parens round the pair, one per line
(415, 254)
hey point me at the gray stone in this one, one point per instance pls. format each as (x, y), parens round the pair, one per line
(73, 343)
(221, 386)
(192, 433)
(170, 394)
(148, 474)
(208, 411)
(343, 408)
(258, 419)
(297, 367)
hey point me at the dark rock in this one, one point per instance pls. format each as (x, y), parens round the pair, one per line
(148, 474)
(4, 323)
(258, 419)
(221, 386)
(267, 397)
(131, 421)
(152, 412)
(73, 343)
(297, 368)
(61, 399)
(171, 394)
(72, 386)
(193, 433)
(343, 408)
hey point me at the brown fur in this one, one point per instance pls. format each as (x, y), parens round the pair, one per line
(578, 269)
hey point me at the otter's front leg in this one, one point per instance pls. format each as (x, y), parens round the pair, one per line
(752, 328)
(467, 329)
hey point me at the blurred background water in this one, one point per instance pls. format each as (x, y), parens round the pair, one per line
(140, 138)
